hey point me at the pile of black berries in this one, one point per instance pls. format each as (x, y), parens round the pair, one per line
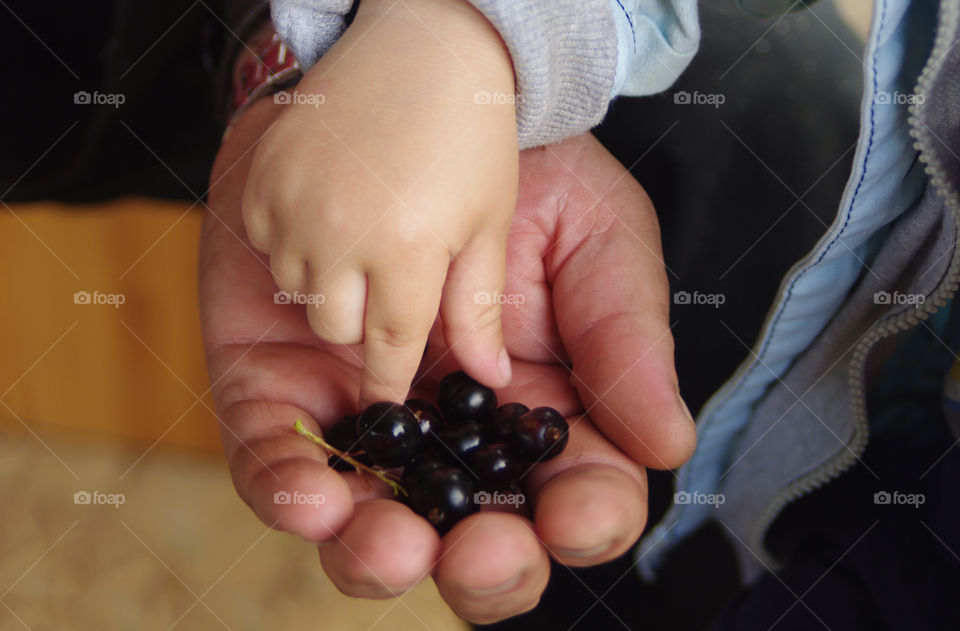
(453, 457)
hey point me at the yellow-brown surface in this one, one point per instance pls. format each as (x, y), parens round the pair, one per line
(112, 400)
(136, 370)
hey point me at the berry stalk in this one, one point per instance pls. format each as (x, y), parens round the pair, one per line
(359, 466)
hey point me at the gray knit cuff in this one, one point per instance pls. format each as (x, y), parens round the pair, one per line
(309, 27)
(564, 55)
(565, 58)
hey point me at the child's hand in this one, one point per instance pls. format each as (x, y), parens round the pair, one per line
(399, 185)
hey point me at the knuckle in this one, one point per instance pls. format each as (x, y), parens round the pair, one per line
(259, 239)
(405, 232)
(257, 223)
(258, 231)
(286, 269)
(331, 329)
(257, 200)
(251, 202)
(338, 216)
(402, 218)
(393, 337)
(483, 318)
(489, 316)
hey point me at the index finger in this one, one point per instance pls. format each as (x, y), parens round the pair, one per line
(402, 305)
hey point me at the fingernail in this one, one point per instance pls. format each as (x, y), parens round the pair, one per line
(503, 363)
(496, 589)
(588, 552)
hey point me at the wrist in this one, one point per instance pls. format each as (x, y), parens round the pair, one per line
(451, 28)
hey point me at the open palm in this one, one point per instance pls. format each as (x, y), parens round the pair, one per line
(585, 319)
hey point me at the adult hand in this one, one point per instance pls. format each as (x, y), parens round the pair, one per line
(594, 295)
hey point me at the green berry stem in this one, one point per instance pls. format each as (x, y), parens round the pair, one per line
(391, 480)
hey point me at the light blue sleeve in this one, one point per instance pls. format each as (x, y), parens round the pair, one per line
(656, 40)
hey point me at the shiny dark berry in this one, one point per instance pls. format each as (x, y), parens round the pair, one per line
(457, 441)
(540, 434)
(504, 419)
(496, 465)
(389, 434)
(417, 469)
(343, 436)
(460, 397)
(427, 415)
(444, 497)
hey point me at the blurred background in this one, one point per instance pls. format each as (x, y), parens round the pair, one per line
(119, 509)
(111, 401)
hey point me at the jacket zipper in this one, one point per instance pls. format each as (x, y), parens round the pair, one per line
(843, 460)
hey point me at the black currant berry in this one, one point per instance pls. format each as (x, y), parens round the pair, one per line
(389, 434)
(417, 469)
(444, 497)
(460, 398)
(540, 434)
(458, 441)
(505, 418)
(343, 436)
(496, 465)
(427, 415)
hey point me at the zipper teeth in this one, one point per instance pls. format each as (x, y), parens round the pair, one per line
(949, 12)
